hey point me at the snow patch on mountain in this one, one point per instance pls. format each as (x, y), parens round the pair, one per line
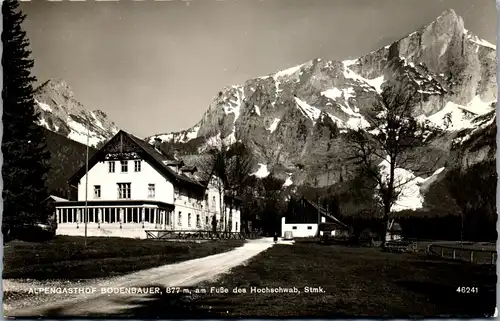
(287, 72)
(349, 62)
(274, 125)
(229, 139)
(356, 123)
(234, 105)
(257, 109)
(407, 185)
(181, 137)
(288, 181)
(457, 117)
(262, 171)
(307, 110)
(42, 122)
(478, 40)
(192, 134)
(375, 83)
(333, 93)
(44, 106)
(80, 133)
(479, 107)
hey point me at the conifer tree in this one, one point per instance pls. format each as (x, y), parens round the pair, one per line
(25, 153)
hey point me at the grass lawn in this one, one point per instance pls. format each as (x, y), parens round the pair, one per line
(357, 282)
(65, 257)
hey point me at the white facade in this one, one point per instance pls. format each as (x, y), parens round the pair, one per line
(300, 229)
(99, 175)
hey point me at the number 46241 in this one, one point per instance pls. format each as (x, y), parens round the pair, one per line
(467, 289)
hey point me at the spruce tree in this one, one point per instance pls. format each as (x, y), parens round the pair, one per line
(25, 153)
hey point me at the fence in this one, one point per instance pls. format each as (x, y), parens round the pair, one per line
(469, 253)
(198, 235)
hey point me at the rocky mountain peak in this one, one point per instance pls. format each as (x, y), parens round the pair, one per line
(60, 112)
(450, 17)
(57, 86)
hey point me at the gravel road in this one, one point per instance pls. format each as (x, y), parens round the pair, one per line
(184, 274)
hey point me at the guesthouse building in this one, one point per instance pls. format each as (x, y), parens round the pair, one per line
(129, 187)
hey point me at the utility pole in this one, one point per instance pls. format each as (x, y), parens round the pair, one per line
(86, 215)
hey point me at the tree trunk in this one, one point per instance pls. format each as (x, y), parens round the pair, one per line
(385, 219)
(388, 200)
(230, 221)
(221, 205)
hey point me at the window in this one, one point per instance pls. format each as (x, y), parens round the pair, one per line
(111, 166)
(124, 164)
(206, 221)
(151, 190)
(198, 220)
(123, 190)
(236, 227)
(97, 191)
(137, 166)
(294, 227)
(206, 199)
(179, 219)
(189, 219)
(149, 215)
(309, 227)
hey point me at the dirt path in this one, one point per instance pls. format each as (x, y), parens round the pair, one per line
(182, 274)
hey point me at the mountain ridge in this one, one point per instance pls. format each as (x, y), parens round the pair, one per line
(293, 119)
(359, 67)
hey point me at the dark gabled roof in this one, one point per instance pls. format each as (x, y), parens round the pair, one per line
(324, 212)
(160, 158)
(203, 164)
(56, 198)
(174, 162)
(154, 156)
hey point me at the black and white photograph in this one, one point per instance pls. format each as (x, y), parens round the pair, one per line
(180, 159)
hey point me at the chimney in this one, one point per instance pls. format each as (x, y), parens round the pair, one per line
(157, 144)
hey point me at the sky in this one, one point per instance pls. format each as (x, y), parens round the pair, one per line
(155, 66)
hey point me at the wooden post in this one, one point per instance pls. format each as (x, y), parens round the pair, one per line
(122, 214)
(453, 253)
(493, 258)
(442, 252)
(471, 256)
